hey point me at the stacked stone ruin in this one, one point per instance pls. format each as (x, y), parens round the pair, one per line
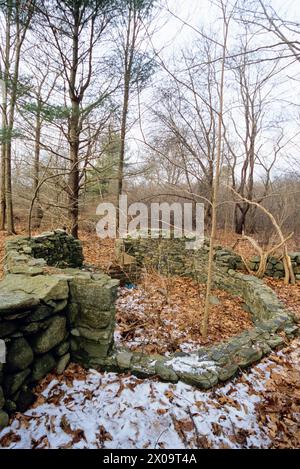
(54, 310)
(49, 315)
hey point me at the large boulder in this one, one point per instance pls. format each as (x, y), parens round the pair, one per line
(94, 300)
(19, 355)
(13, 301)
(42, 287)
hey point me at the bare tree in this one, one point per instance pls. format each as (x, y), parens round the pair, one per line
(136, 64)
(188, 114)
(75, 31)
(17, 17)
(226, 16)
(250, 122)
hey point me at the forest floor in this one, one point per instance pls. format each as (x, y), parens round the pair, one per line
(88, 409)
(164, 315)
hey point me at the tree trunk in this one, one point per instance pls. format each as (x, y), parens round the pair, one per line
(74, 129)
(74, 170)
(215, 188)
(3, 178)
(8, 190)
(122, 145)
(10, 128)
(240, 215)
(38, 212)
(128, 63)
(4, 119)
(207, 216)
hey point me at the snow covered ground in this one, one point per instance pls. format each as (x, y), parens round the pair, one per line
(88, 409)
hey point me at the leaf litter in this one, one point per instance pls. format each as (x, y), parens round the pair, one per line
(259, 409)
(163, 315)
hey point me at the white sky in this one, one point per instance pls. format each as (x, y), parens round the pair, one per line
(174, 35)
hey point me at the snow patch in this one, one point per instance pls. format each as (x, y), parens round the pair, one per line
(191, 364)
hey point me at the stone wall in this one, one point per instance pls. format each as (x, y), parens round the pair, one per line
(49, 316)
(273, 324)
(29, 256)
(171, 257)
(275, 266)
(91, 314)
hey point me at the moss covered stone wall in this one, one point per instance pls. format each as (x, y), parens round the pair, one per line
(49, 316)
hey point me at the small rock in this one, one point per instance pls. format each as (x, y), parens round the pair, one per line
(291, 330)
(42, 366)
(61, 349)
(63, 363)
(247, 356)
(41, 312)
(214, 300)
(34, 327)
(4, 419)
(227, 372)
(165, 373)
(13, 383)
(275, 341)
(124, 360)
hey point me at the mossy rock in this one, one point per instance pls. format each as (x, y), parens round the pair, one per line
(166, 373)
(63, 363)
(247, 356)
(124, 360)
(52, 336)
(19, 355)
(12, 383)
(42, 366)
(61, 349)
(13, 302)
(4, 419)
(203, 380)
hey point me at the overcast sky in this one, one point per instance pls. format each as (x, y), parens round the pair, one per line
(174, 35)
